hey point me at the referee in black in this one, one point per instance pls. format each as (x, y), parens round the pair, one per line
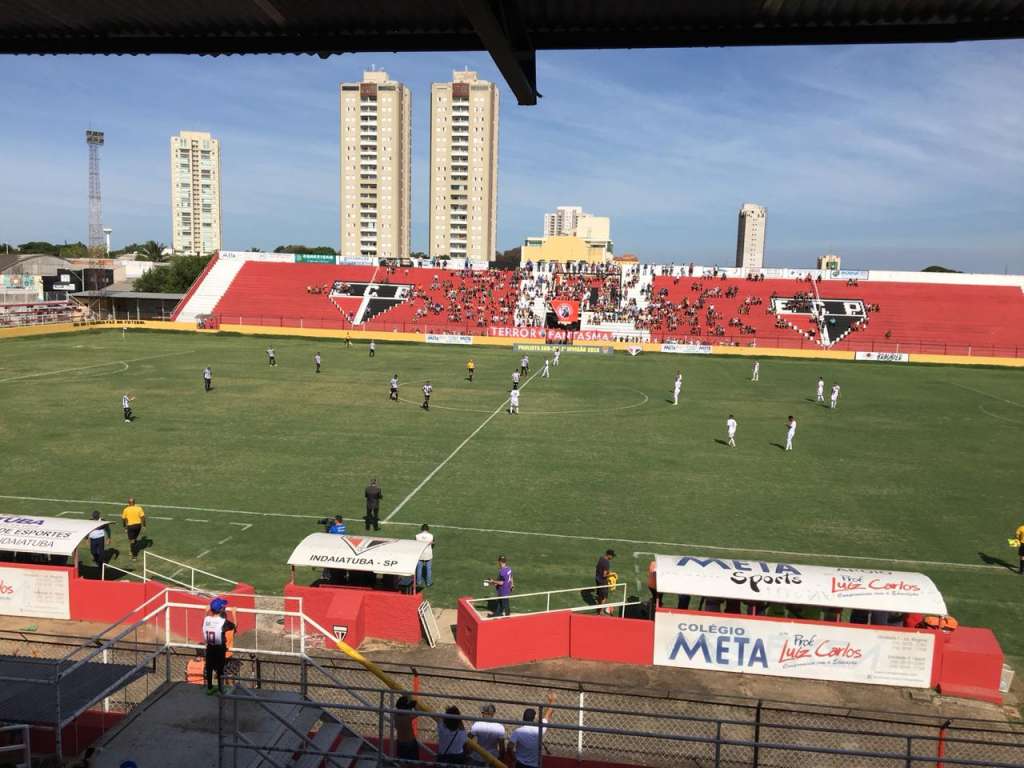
(373, 495)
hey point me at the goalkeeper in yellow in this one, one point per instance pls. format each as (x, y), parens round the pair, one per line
(470, 369)
(1018, 539)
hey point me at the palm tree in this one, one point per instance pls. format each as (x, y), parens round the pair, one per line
(154, 250)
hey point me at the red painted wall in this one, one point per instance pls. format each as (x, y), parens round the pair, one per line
(608, 638)
(393, 616)
(972, 663)
(512, 640)
(76, 736)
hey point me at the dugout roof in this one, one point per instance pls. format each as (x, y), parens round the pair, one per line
(824, 586)
(512, 31)
(370, 554)
(37, 535)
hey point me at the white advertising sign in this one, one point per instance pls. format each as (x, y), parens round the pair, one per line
(759, 581)
(257, 256)
(44, 535)
(448, 338)
(792, 649)
(883, 357)
(374, 554)
(686, 349)
(40, 594)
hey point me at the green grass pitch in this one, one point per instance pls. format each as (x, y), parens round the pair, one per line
(920, 467)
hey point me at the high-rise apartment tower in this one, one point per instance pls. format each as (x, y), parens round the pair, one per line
(195, 193)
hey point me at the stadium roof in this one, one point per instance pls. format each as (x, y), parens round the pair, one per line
(510, 30)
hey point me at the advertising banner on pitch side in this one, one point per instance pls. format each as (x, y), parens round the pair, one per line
(760, 581)
(790, 649)
(36, 593)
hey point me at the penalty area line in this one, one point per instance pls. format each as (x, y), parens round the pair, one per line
(452, 455)
(691, 545)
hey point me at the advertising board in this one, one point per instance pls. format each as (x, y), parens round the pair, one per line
(882, 357)
(792, 649)
(686, 349)
(36, 593)
(448, 338)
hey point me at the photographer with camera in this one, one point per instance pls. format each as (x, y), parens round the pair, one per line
(333, 525)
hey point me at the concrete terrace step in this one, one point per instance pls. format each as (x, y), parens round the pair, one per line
(326, 740)
(284, 739)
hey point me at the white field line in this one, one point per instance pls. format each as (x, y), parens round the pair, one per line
(986, 394)
(89, 367)
(70, 512)
(158, 506)
(452, 455)
(223, 541)
(195, 520)
(154, 517)
(244, 526)
(204, 553)
(545, 534)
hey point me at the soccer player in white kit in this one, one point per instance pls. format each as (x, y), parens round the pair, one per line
(546, 373)
(676, 387)
(790, 431)
(821, 390)
(515, 379)
(730, 428)
(835, 396)
(513, 401)
(756, 375)
(558, 354)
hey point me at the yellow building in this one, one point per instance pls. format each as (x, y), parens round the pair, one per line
(565, 249)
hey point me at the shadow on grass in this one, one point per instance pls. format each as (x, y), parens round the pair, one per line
(780, 446)
(722, 442)
(993, 560)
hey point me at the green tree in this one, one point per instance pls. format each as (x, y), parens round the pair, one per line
(937, 268)
(324, 250)
(150, 250)
(176, 276)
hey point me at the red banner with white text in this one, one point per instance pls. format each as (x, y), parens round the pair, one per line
(551, 334)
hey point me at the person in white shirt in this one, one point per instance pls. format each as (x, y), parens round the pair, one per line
(546, 373)
(393, 395)
(524, 365)
(126, 406)
(790, 431)
(515, 379)
(207, 378)
(730, 428)
(756, 376)
(678, 385)
(451, 738)
(489, 736)
(524, 743)
(373, 348)
(835, 396)
(316, 361)
(558, 354)
(513, 401)
(424, 569)
(821, 390)
(427, 390)
(271, 356)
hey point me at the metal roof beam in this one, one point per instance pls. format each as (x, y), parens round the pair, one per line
(500, 30)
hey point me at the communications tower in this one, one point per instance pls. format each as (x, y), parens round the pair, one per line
(96, 239)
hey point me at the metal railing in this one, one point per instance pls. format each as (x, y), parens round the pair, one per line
(150, 572)
(540, 602)
(16, 739)
(656, 739)
(601, 723)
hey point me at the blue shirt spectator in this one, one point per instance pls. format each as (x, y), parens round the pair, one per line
(338, 526)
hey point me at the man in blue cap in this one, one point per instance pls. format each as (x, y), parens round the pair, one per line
(215, 629)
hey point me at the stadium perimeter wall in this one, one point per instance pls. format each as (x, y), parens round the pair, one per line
(495, 341)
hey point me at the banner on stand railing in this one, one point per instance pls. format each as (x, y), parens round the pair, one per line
(448, 338)
(883, 357)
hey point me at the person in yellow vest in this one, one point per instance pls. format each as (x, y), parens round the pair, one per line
(1019, 536)
(470, 369)
(134, 518)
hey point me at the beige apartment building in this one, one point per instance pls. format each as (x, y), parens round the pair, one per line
(750, 237)
(195, 193)
(376, 173)
(463, 168)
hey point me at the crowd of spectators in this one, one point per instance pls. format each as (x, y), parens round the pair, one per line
(40, 313)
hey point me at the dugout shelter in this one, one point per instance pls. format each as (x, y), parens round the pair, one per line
(364, 586)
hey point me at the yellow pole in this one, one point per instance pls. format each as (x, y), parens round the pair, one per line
(381, 675)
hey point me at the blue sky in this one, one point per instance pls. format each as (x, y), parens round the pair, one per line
(891, 156)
